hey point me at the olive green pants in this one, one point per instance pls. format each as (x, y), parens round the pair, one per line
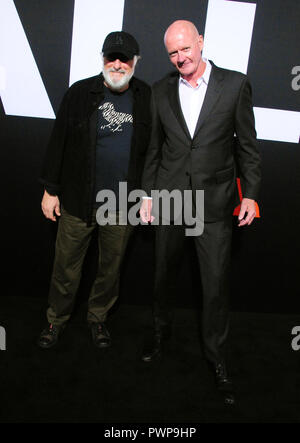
(73, 239)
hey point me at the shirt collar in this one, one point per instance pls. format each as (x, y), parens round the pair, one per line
(204, 78)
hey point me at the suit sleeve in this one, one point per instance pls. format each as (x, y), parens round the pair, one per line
(153, 156)
(247, 153)
(51, 172)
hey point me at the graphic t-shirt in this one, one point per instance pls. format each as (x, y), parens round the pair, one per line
(114, 132)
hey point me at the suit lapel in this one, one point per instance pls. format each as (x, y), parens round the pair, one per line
(213, 91)
(173, 96)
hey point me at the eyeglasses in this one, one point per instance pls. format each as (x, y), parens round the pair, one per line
(117, 56)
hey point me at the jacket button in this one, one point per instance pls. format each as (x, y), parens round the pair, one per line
(188, 174)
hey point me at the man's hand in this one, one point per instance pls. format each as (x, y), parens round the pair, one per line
(50, 206)
(247, 206)
(145, 211)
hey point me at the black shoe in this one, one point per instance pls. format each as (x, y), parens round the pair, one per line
(49, 336)
(153, 345)
(100, 335)
(224, 383)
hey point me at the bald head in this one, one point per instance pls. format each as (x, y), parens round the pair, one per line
(180, 27)
(184, 46)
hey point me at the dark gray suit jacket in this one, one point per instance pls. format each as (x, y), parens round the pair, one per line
(210, 159)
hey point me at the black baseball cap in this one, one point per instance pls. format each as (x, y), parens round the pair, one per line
(120, 42)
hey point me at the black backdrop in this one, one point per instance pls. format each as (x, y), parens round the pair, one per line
(266, 267)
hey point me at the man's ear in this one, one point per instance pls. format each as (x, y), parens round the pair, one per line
(201, 41)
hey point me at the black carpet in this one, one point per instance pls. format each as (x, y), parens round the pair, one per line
(75, 382)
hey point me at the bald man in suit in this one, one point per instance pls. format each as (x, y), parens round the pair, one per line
(197, 112)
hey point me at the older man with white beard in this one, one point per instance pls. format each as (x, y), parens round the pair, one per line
(99, 139)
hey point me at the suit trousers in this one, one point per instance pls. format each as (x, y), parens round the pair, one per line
(73, 239)
(213, 249)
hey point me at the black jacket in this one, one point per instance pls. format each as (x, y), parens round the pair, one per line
(210, 159)
(69, 166)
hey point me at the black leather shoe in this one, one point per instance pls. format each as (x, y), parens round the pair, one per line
(49, 336)
(153, 345)
(224, 384)
(100, 335)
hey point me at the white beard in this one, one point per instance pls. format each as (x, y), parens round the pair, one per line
(114, 84)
